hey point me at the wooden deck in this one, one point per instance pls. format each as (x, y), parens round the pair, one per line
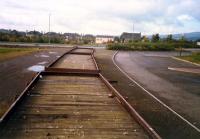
(73, 61)
(79, 50)
(71, 107)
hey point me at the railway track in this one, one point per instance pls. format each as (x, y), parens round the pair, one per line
(71, 99)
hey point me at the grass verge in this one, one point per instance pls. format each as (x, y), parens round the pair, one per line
(149, 46)
(195, 58)
(9, 53)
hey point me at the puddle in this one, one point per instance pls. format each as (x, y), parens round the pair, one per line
(41, 55)
(44, 56)
(42, 63)
(36, 68)
(53, 52)
(37, 56)
(155, 55)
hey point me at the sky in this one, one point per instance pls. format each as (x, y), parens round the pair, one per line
(103, 17)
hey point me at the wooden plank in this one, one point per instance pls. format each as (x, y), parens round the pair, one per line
(95, 133)
(71, 107)
(83, 50)
(76, 62)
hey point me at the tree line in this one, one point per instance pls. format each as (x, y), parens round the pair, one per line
(32, 37)
(154, 43)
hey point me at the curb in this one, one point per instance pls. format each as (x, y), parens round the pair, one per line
(173, 57)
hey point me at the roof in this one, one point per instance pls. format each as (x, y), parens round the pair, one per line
(104, 36)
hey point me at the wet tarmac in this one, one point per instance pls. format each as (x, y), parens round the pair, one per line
(179, 90)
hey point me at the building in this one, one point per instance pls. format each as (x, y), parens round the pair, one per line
(72, 36)
(198, 43)
(89, 38)
(125, 37)
(100, 39)
(31, 34)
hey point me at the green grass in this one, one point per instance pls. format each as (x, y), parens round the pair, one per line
(4, 50)
(195, 57)
(149, 46)
(8, 53)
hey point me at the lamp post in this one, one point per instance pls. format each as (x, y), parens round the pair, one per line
(182, 39)
(133, 32)
(49, 28)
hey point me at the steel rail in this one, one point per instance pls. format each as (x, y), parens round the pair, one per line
(64, 70)
(131, 110)
(69, 51)
(95, 63)
(18, 100)
(80, 53)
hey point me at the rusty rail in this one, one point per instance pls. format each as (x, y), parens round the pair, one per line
(69, 51)
(64, 70)
(80, 53)
(18, 100)
(95, 63)
(131, 110)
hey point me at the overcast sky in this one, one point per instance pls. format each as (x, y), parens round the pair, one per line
(111, 17)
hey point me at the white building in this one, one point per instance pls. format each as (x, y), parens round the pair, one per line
(198, 43)
(100, 39)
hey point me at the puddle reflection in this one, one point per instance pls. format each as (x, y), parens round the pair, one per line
(36, 68)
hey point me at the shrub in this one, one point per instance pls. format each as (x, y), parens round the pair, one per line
(144, 46)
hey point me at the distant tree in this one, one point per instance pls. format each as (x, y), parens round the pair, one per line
(169, 38)
(144, 38)
(155, 38)
(183, 39)
(116, 39)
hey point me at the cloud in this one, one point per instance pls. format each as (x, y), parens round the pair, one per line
(102, 17)
(184, 17)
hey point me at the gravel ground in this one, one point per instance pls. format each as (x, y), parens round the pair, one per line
(16, 73)
(161, 119)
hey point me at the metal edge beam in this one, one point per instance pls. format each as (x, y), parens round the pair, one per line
(83, 47)
(64, 70)
(131, 110)
(70, 74)
(94, 61)
(69, 51)
(80, 53)
(21, 96)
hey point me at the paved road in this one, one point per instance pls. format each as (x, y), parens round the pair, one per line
(179, 90)
(16, 73)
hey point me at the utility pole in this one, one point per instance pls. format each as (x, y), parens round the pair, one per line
(49, 27)
(182, 39)
(133, 31)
